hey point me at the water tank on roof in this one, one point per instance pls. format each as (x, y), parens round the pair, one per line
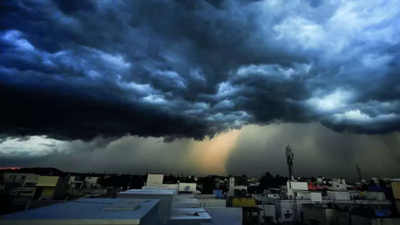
(187, 188)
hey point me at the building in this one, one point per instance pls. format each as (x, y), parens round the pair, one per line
(354, 194)
(31, 180)
(79, 186)
(28, 185)
(373, 217)
(375, 195)
(323, 216)
(186, 205)
(91, 182)
(76, 182)
(396, 193)
(193, 216)
(187, 187)
(174, 187)
(223, 216)
(48, 187)
(396, 189)
(237, 186)
(28, 179)
(130, 207)
(166, 198)
(290, 210)
(186, 201)
(351, 215)
(20, 184)
(172, 209)
(180, 201)
(337, 184)
(24, 192)
(89, 211)
(154, 179)
(338, 195)
(163, 186)
(267, 214)
(296, 190)
(326, 191)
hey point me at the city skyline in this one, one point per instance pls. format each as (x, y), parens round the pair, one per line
(222, 155)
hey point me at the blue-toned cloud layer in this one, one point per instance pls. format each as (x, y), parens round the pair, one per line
(78, 69)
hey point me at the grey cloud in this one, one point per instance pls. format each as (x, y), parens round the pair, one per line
(316, 3)
(168, 139)
(127, 154)
(193, 69)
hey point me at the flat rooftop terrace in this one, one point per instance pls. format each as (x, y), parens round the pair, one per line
(148, 192)
(186, 202)
(85, 211)
(198, 215)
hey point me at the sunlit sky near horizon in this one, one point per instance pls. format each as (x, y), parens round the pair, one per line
(252, 150)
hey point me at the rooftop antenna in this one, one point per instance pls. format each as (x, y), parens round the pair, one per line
(358, 171)
(289, 160)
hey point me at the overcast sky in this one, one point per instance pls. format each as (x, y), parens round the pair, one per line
(207, 86)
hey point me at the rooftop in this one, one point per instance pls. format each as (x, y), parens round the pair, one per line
(190, 214)
(163, 186)
(147, 192)
(186, 202)
(85, 211)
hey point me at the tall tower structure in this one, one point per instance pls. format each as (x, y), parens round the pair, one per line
(358, 171)
(289, 160)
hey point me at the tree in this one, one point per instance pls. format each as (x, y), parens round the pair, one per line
(268, 181)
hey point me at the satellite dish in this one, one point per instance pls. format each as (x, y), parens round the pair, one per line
(187, 188)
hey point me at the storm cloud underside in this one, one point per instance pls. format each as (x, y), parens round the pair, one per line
(193, 69)
(92, 83)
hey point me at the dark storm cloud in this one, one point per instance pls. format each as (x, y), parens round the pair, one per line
(79, 69)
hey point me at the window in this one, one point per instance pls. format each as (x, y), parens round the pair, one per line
(23, 177)
(15, 176)
(11, 176)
